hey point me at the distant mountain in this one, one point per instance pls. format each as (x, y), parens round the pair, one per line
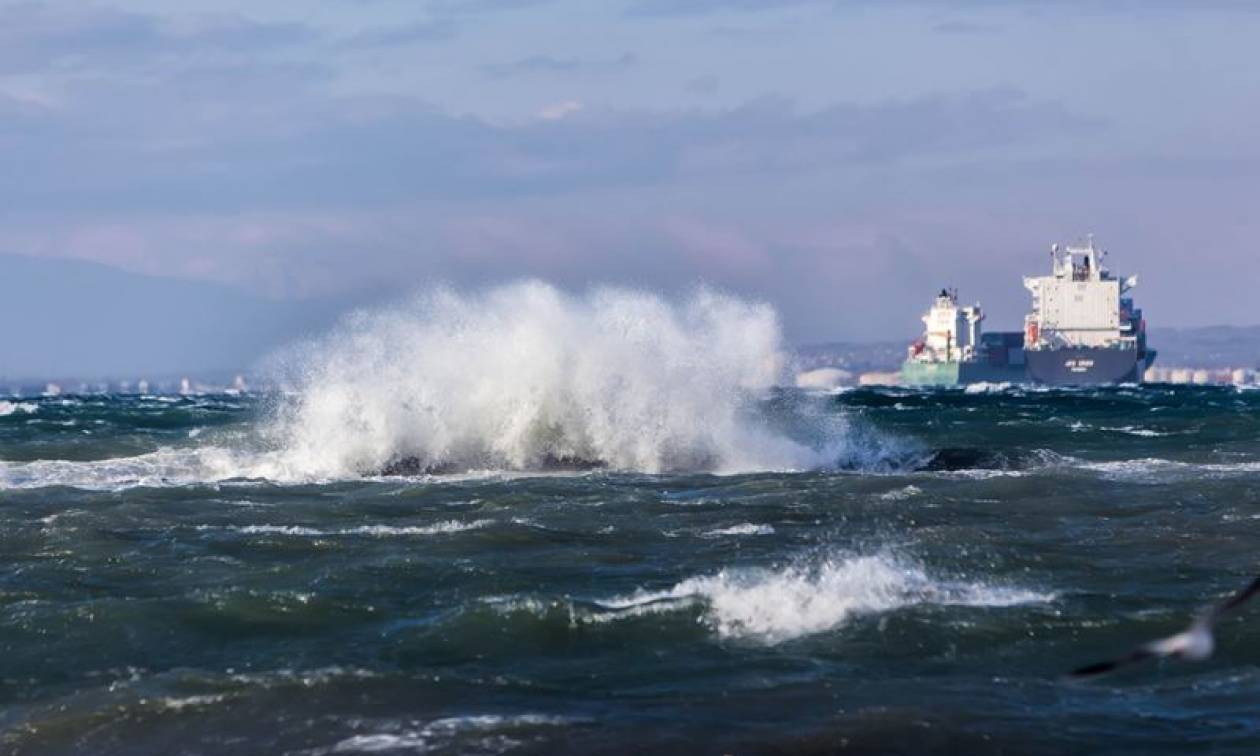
(64, 318)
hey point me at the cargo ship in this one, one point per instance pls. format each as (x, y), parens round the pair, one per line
(954, 350)
(1083, 328)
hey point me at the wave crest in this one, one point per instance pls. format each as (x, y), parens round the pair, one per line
(812, 595)
(526, 377)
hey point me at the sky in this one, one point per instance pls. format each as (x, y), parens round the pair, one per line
(841, 159)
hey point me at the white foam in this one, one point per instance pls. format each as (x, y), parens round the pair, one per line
(776, 605)
(379, 531)
(440, 528)
(179, 704)
(524, 374)
(743, 529)
(8, 408)
(440, 734)
(1137, 431)
(986, 387)
(901, 494)
(516, 379)
(165, 467)
(380, 743)
(1155, 470)
(289, 530)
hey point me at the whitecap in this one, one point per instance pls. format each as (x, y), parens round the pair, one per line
(1155, 470)
(441, 734)
(807, 597)
(773, 606)
(742, 529)
(380, 531)
(439, 528)
(985, 387)
(1137, 431)
(179, 704)
(900, 494)
(8, 408)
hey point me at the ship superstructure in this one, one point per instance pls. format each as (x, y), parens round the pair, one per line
(954, 350)
(1083, 328)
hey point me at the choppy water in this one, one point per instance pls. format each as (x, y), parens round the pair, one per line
(923, 589)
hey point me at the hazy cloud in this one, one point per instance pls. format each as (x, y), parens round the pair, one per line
(300, 150)
(40, 36)
(697, 7)
(707, 84)
(272, 138)
(693, 7)
(430, 30)
(547, 64)
(965, 27)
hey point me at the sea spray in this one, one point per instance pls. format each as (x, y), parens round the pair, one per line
(516, 379)
(526, 377)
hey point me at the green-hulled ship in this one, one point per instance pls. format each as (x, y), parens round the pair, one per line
(954, 351)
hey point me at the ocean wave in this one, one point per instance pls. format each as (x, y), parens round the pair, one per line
(163, 468)
(776, 605)
(773, 606)
(1155, 470)
(380, 531)
(977, 462)
(985, 387)
(518, 379)
(1133, 430)
(525, 377)
(483, 733)
(745, 528)
(901, 494)
(179, 703)
(9, 408)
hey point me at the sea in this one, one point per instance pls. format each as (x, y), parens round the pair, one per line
(458, 529)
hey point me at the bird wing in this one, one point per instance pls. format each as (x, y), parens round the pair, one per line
(1190, 643)
(1141, 653)
(1238, 599)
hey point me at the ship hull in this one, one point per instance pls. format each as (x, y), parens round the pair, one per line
(958, 373)
(1084, 366)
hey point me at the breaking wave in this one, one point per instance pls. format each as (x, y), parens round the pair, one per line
(8, 408)
(807, 597)
(523, 378)
(526, 377)
(378, 531)
(773, 606)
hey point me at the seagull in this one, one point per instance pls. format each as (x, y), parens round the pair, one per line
(1195, 643)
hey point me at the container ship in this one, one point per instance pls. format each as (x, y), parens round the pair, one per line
(954, 350)
(1083, 329)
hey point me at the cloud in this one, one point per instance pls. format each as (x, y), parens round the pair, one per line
(436, 29)
(700, 7)
(697, 7)
(707, 84)
(560, 110)
(443, 20)
(473, 7)
(271, 136)
(547, 64)
(43, 36)
(964, 27)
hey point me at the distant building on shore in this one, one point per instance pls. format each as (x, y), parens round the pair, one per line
(1225, 376)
